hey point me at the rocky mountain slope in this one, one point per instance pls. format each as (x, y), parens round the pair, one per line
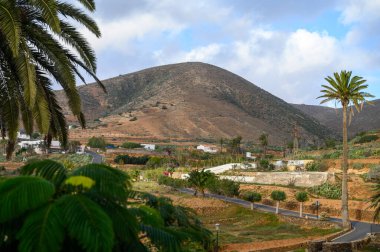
(367, 119)
(192, 101)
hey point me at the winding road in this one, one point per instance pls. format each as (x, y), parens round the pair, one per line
(96, 158)
(359, 231)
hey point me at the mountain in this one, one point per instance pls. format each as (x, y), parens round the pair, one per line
(367, 119)
(191, 101)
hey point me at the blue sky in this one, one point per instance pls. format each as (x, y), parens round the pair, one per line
(286, 47)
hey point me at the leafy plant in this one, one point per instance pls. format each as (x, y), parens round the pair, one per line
(302, 197)
(131, 145)
(367, 139)
(199, 179)
(278, 196)
(97, 142)
(48, 208)
(126, 159)
(327, 190)
(319, 166)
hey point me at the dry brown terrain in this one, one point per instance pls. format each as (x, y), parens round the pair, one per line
(189, 101)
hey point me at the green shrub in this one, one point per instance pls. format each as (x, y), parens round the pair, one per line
(131, 145)
(332, 155)
(97, 142)
(252, 196)
(223, 186)
(278, 195)
(302, 196)
(126, 159)
(319, 166)
(367, 139)
(168, 181)
(327, 190)
(358, 166)
(373, 174)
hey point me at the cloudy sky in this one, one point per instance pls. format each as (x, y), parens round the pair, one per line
(286, 47)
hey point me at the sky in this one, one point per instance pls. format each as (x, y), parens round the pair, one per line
(286, 47)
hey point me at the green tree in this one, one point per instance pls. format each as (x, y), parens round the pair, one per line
(264, 143)
(131, 145)
(199, 179)
(73, 146)
(278, 196)
(97, 142)
(234, 145)
(252, 197)
(40, 46)
(348, 91)
(48, 208)
(302, 197)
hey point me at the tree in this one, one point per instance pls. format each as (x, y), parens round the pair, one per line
(234, 145)
(302, 197)
(221, 141)
(198, 180)
(348, 91)
(375, 202)
(264, 142)
(51, 209)
(39, 46)
(97, 142)
(252, 197)
(73, 146)
(278, 196)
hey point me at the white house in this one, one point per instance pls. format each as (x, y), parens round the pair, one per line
(22, 136)
(150, 147)
(208, 149)
(27, 143)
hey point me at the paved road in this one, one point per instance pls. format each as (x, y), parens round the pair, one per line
(96, 158)
(360, 229)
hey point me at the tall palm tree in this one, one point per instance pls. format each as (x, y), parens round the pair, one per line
(348, 91)
(39, 46)
(264, 143)
(48, 208)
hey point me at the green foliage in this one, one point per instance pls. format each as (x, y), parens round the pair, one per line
(168, 181)
(252, 196)
(327, 190)
(97, 142)
(199, 179)
(330, 143)
(366, 139)
(50, 209)
(332, 155)
(318, 165)
(126, 159)
(278, 195)
(302, 196)
(223, 186)
(358, 166)
(131, 145)
(373, 174)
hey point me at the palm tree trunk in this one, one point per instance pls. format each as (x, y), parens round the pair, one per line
(345, 215)
(301, 209)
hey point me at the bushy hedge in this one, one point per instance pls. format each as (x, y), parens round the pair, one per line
(131, 145)
(223, 187)
(367, 139)
(252, 196)
(319, 166)
(327, 190)
(126, 159)
(168, 181)
(97, 142)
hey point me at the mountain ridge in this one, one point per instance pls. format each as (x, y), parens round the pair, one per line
(193, 100)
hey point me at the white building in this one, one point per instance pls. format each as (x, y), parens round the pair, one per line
(28, 143)
(22, 136)
(208, 149)
(150, 147)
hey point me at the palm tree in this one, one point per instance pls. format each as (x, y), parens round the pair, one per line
(48, 208)
(199, 179)
(348, 91)
(34, 41)
(302, 197)
(264, 143)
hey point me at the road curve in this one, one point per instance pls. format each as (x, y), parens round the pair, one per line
(359, 231)
(96, 158)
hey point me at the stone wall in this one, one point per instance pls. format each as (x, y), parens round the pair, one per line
(302, 179)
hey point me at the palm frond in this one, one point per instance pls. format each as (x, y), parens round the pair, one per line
(161, 238)
(21, 194)
(43, 230)
(87, 223)
(10, 25)
(109, 182)
(49, 11)
(48, 169)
